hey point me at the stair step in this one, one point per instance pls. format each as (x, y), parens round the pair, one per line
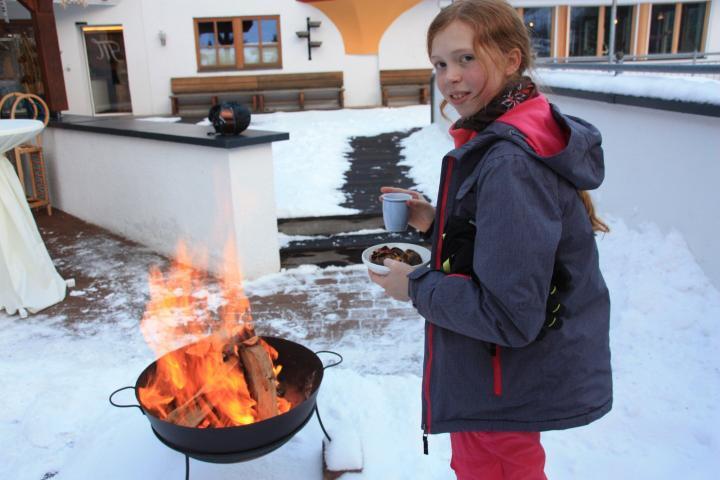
(330, 225)
(339, 250)
(361, 241)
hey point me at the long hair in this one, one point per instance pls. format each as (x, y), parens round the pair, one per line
(498, 30)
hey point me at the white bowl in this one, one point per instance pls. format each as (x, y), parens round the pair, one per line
(382, 269)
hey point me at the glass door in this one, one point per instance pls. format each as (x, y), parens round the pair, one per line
(107, 68)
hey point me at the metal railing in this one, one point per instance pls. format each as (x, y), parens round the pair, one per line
(693, 57)
(697, 63)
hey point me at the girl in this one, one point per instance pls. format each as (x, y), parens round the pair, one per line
(516, 309)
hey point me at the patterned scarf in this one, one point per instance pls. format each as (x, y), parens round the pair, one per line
(514, 93)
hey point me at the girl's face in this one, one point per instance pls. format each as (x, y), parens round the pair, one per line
(467, 82)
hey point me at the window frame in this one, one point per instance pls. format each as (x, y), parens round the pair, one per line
(238, 43)
(553, 26)
(599, 30)
(606, 12)
(704, 25)
(678, 25)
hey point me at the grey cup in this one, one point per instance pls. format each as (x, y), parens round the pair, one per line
(395, 211)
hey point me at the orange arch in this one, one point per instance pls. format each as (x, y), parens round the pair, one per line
(362, 23)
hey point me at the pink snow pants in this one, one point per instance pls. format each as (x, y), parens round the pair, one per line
(497, 456)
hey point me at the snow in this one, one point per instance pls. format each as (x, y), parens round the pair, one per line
(284, 239)
(664, 337)
(161, 119)
(309, 167)
(57, 372)
(344, 452)
(424, 151)
(681, 88)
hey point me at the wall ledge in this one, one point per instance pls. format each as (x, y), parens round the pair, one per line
(694, 108)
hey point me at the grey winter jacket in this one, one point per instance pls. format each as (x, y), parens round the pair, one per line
(485, 368)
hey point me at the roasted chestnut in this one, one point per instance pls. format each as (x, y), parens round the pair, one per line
(409, 256)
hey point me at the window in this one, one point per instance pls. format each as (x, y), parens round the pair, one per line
(662, 21)
(584, 31)
(238, 43)
(623, 29)
(692, 26)
(539, 24)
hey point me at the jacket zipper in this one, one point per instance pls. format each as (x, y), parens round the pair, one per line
(438, 266)
(497, 369)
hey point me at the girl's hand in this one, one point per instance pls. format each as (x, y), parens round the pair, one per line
(420, 212)
(395, 283)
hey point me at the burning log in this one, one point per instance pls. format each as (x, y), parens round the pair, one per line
(260, 376)
(196, 409)
(226, 379)
(191, 414)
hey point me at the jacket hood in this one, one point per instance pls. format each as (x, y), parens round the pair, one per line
(538, 128)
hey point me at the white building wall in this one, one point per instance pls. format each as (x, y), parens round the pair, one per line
(665, 172)
(403, 46)
(713, 39)
(362, 80)
(150, 65)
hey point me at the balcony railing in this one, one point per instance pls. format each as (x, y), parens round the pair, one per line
(703, 64)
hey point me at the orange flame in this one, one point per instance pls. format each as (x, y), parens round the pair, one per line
(202, 384)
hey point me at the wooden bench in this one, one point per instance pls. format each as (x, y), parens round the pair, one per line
(193, 96)
(405, 87)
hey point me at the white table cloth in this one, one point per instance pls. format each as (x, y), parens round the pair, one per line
(28, 279)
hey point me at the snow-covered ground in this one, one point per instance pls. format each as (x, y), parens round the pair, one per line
(55, 421)
(55, 416)
(309, 167)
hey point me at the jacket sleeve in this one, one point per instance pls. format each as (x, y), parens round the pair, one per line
(519, 222)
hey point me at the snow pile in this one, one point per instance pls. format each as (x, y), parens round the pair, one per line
(684, 89)
(344, 452)
(284, 239)
(309, 167)
(424, 151)
(664, 339)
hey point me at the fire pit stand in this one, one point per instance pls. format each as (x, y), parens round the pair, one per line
(245, 453)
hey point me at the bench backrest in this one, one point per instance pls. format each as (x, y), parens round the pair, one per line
(238, 83)
(405, 77)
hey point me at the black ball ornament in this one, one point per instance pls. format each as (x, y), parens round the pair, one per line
(229, 118)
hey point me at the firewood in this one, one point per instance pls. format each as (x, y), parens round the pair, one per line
(259, 376)
(193, 415)
(190, 406)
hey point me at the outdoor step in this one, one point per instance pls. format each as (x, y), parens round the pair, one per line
(330, 225)
(373, 163)
(339, 250)
(361, 241)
